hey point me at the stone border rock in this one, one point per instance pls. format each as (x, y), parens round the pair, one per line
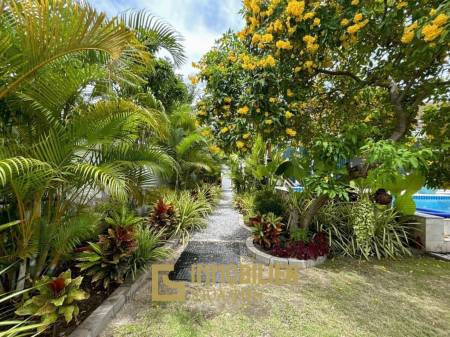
(267, 259)
(99, 319)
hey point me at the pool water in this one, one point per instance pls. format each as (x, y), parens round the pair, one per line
(440, 204)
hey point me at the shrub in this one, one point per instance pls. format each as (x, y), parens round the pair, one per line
(163, 217)
(301, 250)
(56, 296)
(245, 203)
(108, 260)
(267, 230)
(191, 213)
(149, 248)
(362, 230)
(299, 235)
(269, 202)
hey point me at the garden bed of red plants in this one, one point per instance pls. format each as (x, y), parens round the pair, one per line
(317, 247)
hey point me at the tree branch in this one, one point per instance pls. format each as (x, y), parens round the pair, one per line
(339, 73)
(401, 115)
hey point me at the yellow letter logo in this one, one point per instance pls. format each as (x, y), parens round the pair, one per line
(180, 294)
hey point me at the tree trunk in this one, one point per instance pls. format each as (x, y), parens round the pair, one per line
(312, 210)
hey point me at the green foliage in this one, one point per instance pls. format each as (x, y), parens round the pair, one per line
(191, 213)
(245, 203)
(267, 201)
(361, 230)
(149, 248)
(436, 119)
(107, 262)
(56, 297)
(166, 85)
(299, 235)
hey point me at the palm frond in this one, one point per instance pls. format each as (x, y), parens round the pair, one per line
(155, 33)
(49, 30)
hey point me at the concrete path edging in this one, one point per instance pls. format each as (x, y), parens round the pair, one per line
(267, 259)
(100, 318)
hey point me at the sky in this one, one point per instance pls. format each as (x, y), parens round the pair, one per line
(200, 22)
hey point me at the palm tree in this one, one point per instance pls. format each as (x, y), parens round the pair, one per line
(189, 148)
(67, 135)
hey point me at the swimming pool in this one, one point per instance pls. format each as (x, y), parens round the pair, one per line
(438, 205)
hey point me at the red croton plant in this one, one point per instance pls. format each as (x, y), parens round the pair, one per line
(318, 246)
(163, 215)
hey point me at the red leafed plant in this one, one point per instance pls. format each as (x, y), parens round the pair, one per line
(267, 230)
(57, 285)
(163, 216)
(318, 246)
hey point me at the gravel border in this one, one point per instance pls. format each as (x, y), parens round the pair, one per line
(100, 318)
(267, 259)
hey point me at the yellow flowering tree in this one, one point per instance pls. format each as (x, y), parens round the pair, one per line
(344, 78)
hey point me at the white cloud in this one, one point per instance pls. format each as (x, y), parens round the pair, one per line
(201, 22)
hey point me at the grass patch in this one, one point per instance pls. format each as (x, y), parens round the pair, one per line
(406, 297)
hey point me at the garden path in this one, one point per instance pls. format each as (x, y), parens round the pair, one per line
(221, 242)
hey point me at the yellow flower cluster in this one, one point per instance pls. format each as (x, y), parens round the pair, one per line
(402, 4)
(309, 65)
(291, 132)
(290, 93)
(202, 113)
(316, 22)
(311, 44)
(268, 121)
(227, 100)
(214, 149)
(295, 9)
(273, 100)
(358, 24)
(432, 31)
(224, 130)
(284, 45)
(309, 15)
(288, 114)
(194, 79)
(253, 6)
(246, 136)
(345, 22)
(267, 38)
(268, 61)
(240, 144)
(408, 33)
(355, 2)
(244, 110)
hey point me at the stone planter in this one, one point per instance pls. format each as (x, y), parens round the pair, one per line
(264, 258)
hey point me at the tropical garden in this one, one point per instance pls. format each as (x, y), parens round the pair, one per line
(101, 159)
(330, 115)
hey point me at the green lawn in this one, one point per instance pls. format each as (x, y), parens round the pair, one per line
(408, 297)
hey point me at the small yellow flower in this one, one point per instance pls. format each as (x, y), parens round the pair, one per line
(431, 32)
(295, 8)
(256, 38)
(355, 2)
(202, 113)
(214, 149)
(240, 144)
(345, 22)
(224, 130)
(284, 45)
(297, 69)
(194, 79)
(402, 4)
(309, 15)
(244, 110)
(309, 39)
(433, 12)
(290, 93)
(227, 99)
(268, 121)
(440, 20)
(358, 17)
(246, 136)
(353, 29)
(291, 132)
(267, 38)
(288, 114)
(316, 22)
